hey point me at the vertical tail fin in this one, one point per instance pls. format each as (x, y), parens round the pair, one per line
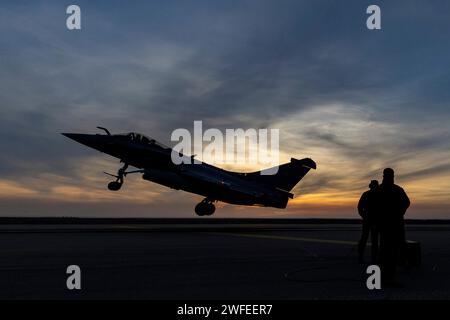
(287, 176)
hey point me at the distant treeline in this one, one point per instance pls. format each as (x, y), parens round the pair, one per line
(74, 220)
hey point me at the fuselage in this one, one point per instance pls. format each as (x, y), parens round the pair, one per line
(201, 178)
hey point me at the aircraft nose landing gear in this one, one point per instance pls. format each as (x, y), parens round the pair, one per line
(116, 185)
(205, 208)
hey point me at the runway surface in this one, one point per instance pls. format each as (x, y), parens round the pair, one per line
(208, 261)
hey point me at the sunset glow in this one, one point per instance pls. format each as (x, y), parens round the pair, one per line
(353, 101)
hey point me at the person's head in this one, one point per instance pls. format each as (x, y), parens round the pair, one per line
(388, 175)
(373, 184)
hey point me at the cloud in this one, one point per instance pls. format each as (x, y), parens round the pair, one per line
(353, 100)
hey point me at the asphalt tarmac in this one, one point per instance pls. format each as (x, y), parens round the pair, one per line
(209, 261)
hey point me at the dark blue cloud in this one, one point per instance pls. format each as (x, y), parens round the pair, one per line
(154, 66)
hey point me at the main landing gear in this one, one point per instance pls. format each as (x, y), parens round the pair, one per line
(116, 185)
(205, 208)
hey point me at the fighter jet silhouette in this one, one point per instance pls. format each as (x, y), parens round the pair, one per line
(154, 161)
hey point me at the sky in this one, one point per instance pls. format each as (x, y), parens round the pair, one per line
(354, 100)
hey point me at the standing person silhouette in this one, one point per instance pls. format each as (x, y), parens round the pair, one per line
(367, 211)
(392, 203)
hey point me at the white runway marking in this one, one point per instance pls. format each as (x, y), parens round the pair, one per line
(264, 236)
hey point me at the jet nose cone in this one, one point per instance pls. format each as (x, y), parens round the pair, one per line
(78, 137)
(90, 140)
(69, 135)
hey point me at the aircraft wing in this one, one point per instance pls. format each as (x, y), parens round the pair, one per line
(220, 180)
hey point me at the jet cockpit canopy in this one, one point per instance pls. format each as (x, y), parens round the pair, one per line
(140, 138)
